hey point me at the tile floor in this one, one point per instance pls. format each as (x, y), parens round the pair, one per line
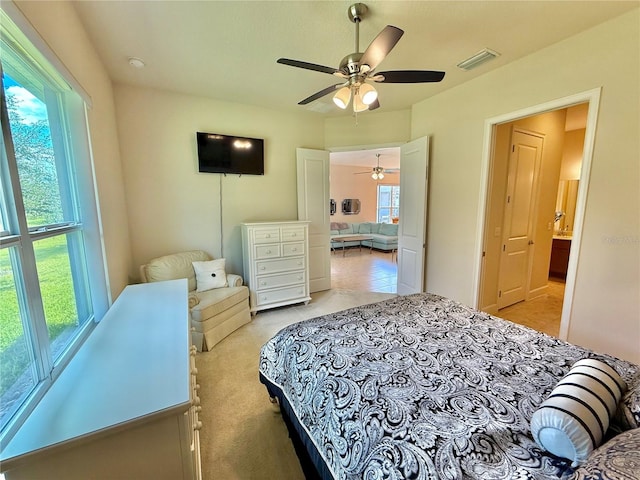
(365, 271)
(542, 313)
(377, 272)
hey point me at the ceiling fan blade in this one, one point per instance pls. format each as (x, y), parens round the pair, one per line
(381, 46)
(307, 66)
(375, 104)
(409, 76)
(320, 94)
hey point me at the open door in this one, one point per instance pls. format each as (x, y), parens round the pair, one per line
(313, 205)
(412, 228)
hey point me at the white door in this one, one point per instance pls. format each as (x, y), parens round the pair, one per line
(517, 240)
(412, 228)
(313, 205)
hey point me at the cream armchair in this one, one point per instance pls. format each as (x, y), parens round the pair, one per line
(214, 313)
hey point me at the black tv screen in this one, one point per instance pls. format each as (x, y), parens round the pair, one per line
(227, 154)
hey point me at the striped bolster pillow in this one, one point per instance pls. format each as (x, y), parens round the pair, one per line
(572, 422)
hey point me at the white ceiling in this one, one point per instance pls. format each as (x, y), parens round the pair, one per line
(228, 49)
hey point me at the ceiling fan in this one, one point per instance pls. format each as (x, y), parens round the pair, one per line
(377, 172)
(358, 69)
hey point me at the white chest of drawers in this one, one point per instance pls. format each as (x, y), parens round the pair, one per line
(276, 263)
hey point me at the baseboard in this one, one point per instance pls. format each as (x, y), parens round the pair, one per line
(537, 292)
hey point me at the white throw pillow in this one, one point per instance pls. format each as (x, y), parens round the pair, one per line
(572, 422)
(210, 275)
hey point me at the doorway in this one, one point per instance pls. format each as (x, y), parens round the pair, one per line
(352, 178)
(567, 127)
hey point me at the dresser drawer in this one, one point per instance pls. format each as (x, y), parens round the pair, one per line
(292, 249)
(280, 295)
(282, 265)
(280, 280)
(267, 251)
(292, 233)
(266, 235)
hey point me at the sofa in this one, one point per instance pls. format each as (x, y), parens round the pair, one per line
(214, 312)
(384, 235)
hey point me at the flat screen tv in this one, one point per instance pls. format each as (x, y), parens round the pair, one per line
(227, 154)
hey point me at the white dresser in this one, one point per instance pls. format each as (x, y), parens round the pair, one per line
(276, 263)
(126, 405)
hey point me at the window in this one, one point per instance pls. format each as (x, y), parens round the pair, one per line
(49, 235)
(388, 203)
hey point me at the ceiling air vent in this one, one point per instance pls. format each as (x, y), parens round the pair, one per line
(478, 59)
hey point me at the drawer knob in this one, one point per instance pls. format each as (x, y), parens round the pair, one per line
(294, 249)
(300, 277)
(263, 283)
(268, 252)
(263, 268)
(264, 298)
(299, 263)
(268, 235)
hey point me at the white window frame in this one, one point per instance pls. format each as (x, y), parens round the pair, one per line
(392, 206)
(74, 163)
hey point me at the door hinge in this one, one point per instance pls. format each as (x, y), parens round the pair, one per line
(513, 148)
(499, 293)
(484, 254)
(508, 198)
(504, 248)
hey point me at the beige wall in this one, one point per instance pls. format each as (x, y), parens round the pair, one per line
(173, 207)
(347, 182)
(572, 154)
(379, 128)
(58, 24)
(606, 308)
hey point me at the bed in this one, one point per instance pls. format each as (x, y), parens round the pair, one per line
(422, 387)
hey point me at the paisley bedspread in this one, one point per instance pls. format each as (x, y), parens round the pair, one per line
(421, 387)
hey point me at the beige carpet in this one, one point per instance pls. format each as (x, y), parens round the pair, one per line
(243, 437)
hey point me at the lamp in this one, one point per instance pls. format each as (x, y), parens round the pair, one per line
(368, 93)
(363, 96)
(342, 97)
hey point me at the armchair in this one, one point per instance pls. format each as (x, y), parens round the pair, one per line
(214, 313)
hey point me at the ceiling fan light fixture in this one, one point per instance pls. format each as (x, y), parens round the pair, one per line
(374, 175)
(368, 93)
(358, 104)
(342, 97)
(380, 176)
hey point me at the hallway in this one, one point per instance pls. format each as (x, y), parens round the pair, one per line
(542, 313)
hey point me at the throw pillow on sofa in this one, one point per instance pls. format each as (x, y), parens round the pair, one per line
(364, 228)
(390, 229)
